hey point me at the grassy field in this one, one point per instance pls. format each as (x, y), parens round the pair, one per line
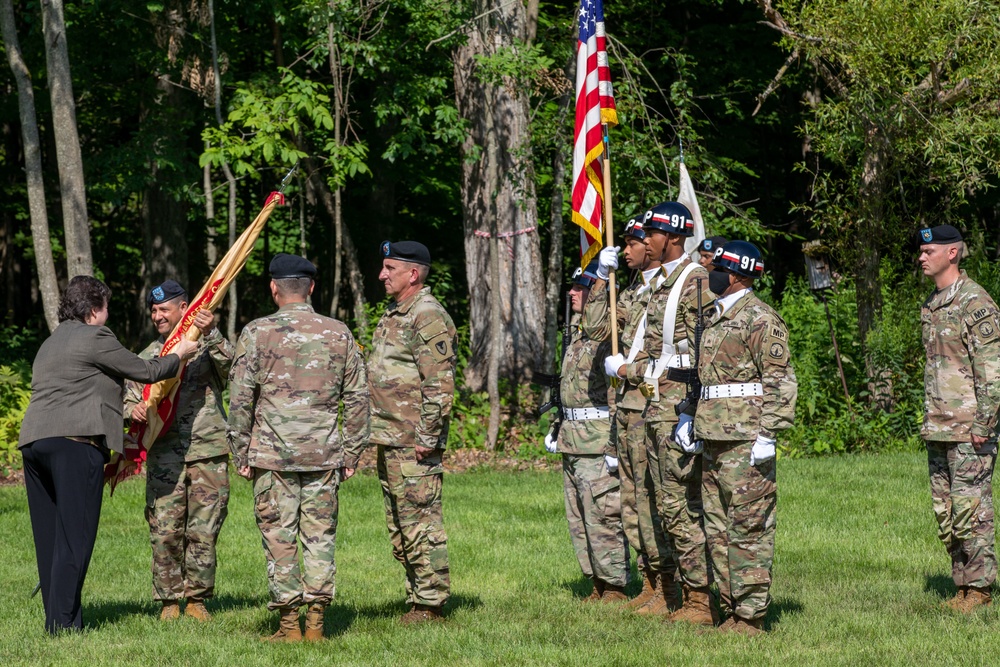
(859, 578)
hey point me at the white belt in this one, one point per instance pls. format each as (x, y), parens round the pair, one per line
(678, 361)
(580, 414)
(733, 390)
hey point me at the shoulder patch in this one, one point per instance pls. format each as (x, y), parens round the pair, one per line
(986, 329)
(440, 347)
(777, 350)
(980, 314)
(778, 332)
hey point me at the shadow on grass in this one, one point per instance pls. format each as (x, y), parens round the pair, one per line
(781, 608)
(941, 584)
(111, 611)
(400, 607)
(580, 587)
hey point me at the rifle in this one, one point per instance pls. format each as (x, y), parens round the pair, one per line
(554, 381)
(689, 404)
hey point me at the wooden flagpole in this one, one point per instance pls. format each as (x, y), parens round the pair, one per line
(610, 242)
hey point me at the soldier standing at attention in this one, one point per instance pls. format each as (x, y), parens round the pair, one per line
(292, 371)
(411, 381)
(663, 371)
(640, 517)
(187, 478)
(590, 465)
(961, 332)
(707, 248)
(748, 395)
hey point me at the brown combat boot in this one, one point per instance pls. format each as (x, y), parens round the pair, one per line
(196, 610)
(974, 599)
(288, 627)
(422, 613)
(660, 604)
(171, 610)
(650, 580)
(613, 594)
(697, 608)
(595, 595)
(955, 603)
(742, 626)
(314, 622)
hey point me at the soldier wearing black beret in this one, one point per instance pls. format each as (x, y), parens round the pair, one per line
(707, 248)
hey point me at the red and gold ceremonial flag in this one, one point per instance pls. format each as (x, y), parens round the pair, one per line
(595, 107)
(160, 398)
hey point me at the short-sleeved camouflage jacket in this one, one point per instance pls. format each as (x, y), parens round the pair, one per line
(671, 392)
(199, 428)
(411, 373)
(597, 326)
(749, 343)
(292, 371)
(585, 385)
(961, 333)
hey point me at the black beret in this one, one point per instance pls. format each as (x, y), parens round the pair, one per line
(940, 235)
(407, 251)
(712, 243)
(165, 291)
(284, 265)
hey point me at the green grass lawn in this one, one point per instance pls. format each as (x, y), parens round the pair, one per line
(859, 577)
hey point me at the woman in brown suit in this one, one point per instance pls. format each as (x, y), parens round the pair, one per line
(72, 423)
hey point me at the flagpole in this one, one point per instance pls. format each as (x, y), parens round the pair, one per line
(609, 240)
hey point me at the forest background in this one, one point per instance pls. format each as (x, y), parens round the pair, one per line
(139, 138)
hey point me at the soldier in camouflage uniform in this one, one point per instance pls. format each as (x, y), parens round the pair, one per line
(748, 396)
(663, 370)
(640, 517)
(292, 371)
(411, 381)
(591, 485)
(187, 478)
(961, 334)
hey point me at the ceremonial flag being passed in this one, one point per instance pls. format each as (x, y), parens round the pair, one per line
(160, 398)
(688, 198)
(595, 107)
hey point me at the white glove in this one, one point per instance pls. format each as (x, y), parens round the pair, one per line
(613, 363)
(612, 462)
(763, 449)
(551, 444)
(607, 261)
(683, 433)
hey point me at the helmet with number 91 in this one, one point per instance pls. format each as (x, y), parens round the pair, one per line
(670, 217)
(741, 258)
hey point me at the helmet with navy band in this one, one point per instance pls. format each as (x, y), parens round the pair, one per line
(670, 217)
(586, 277)
(740, 257)
(634, 229)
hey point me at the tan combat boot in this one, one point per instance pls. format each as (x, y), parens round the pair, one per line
(974, 599)
(314, 622)
(697, 608)
(613, 594)
(659, 604)
(650, 582)
(742, 626)
(955, 603)
(422, 613)
(196, 610)
(171, 611)
(288, 627)
(595, 595)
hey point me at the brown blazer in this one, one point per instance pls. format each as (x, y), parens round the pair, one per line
(76, 384)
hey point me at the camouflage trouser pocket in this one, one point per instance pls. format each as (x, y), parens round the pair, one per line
(422, 482)
(607, 497)
(263, 482)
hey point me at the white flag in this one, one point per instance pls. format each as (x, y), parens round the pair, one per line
(688, 198)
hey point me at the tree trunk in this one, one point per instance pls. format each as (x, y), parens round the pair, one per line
(47, 283)
(554, 277)
(338, 209)
(72, 190)
(499, 133)
(211, 250)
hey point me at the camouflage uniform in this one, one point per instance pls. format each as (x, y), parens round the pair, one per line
(411, 382)
(961, 334)
(677, 475)
(592, 492)
(747, 344)
(640, 517)
(292, 371)
(187, 476)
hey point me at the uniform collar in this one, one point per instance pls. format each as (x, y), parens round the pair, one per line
(403, 307)
(726, 303)
(669, 268)
(297, 306)
(943, 297)
(734, 303)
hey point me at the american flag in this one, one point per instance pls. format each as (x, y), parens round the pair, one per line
(595, 105)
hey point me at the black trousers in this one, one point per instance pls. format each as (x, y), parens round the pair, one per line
(64, 481)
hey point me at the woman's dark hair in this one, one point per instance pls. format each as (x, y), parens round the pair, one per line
(83, 295)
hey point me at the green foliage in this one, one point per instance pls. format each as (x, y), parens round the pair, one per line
(15, 393)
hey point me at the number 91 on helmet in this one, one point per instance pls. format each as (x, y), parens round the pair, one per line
(740, 257)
